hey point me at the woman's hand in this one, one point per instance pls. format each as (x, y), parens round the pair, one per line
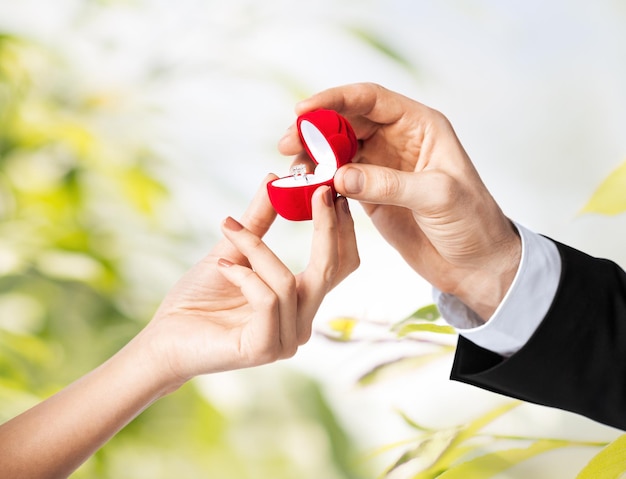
(240, 306)
(419, 187)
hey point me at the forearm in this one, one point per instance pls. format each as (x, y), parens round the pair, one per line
(55, 437)
(484, 286)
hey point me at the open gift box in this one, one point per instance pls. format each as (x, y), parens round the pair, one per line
(330, 142)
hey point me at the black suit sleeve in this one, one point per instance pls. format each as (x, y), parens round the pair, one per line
(576, 360)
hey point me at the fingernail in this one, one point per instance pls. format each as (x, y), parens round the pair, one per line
(344, 204)
(327, 196)
(224, 262)
(353, 180)
(232, 224)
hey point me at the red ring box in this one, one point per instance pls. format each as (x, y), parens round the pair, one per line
(330, 141)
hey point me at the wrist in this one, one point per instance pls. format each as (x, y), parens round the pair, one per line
(145, 353)
(483, 288)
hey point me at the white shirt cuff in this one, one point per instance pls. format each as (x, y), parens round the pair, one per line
(524, 306)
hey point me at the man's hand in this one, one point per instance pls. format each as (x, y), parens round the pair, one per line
(419, 187)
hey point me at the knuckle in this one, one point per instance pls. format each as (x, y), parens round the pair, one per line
(449, 190)
(366, 88)
(255, 242)
(303, 334)
(388, 184)
(290, 350)
(270, 303)
(286, 282)
(270, 354)
(253, 223)
(439, 120)
(354, 262)
(248, 243)
(372, 88)
(366, 93)
(447, 193)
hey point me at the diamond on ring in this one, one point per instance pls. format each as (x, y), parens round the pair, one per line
(299, 172)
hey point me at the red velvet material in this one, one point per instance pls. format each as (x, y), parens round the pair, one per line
(294, 203)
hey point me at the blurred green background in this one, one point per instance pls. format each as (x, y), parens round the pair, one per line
(129, 129)
(79, 196)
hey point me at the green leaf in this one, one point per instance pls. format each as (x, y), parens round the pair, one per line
(456, 449)
(426, 313)
(420, 321)
(412, 423)
(477, 424)
(610, 197)
(490, 464)
(610, 463)
(382, 46)
(425, 328)
(400, 366)
(428, 450)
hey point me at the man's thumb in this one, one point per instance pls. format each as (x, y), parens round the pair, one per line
(374, 184)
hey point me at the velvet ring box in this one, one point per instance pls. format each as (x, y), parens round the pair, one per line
(330, 141)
